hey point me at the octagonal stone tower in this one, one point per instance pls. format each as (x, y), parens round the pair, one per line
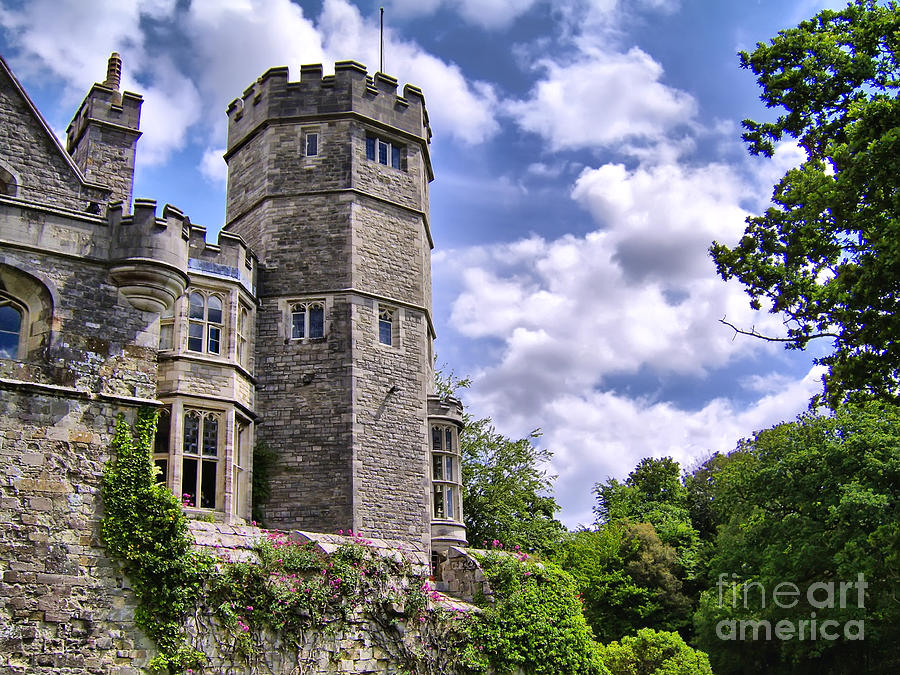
(328, 182)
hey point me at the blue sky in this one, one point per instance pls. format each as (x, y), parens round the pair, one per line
(586, 153)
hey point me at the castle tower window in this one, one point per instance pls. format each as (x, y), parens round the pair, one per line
(387, 326)
(384, 152)
(445, 474)
(167, 330)
(161, 445)
(243, 325)
(308, 320)
(200, 449)
(205, 328)
(239, 465)
(12, 319)
(311, 143)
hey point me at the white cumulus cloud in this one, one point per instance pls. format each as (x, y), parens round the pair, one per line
(601, 99)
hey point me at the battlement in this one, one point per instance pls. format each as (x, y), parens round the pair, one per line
(230, 257)
(350, 91)
(149, 255)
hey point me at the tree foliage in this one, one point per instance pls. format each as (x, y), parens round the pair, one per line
(627, 579)
(654, 653)
(825, 254)
(507, 490)
(653, 493)
(810, 502)
(534, 623)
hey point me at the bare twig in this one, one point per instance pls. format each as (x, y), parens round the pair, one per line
(768, 338)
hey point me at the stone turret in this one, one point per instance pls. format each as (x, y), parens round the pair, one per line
(149, 255)
(328, 183)
(102, 137)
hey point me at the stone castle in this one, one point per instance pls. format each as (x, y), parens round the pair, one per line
(307, 328)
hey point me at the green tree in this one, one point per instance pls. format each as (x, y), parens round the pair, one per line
(810, 502)
(534, 622)
(507, 491)
(507, 494)
(653, 493)
(627, 579)
(825, 254)
(654, 653)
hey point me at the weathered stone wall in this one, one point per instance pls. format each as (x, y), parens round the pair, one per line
(357, 644)
(64, 606)
(388, 258)
(98, 342)
(305, 403)
(391, 460)
(43, 173)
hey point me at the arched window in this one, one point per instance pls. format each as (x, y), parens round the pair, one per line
(205, 328)
(7, 183)
(26, 315)
(388, 326)
(12, 323)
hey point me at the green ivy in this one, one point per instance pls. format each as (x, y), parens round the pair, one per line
(293, 587)
(144, 527)
(533, 621)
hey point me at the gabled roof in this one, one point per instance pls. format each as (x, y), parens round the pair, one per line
(51, 136)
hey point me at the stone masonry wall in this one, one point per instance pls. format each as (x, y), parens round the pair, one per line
(305, 410)
(64, 606)
(388, 256)
(98, 343)
(391, 468)
(44, 175)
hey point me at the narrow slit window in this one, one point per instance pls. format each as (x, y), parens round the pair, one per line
(312, 144)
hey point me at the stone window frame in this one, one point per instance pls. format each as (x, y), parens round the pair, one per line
(35, 300)
(445, 470)
(311, 135)
(307, 304)
(386, 152)
(208, 326)
(208, 457)
(162, 443)
(167, 329)
(234, 457)
(387, 314)
(9, 185)
(243, 326)
(20, 331)
(240, 466)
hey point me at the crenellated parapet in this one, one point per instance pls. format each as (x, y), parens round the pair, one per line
(351, 90)
(447, 408)
(229, 257)
(149, 255)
